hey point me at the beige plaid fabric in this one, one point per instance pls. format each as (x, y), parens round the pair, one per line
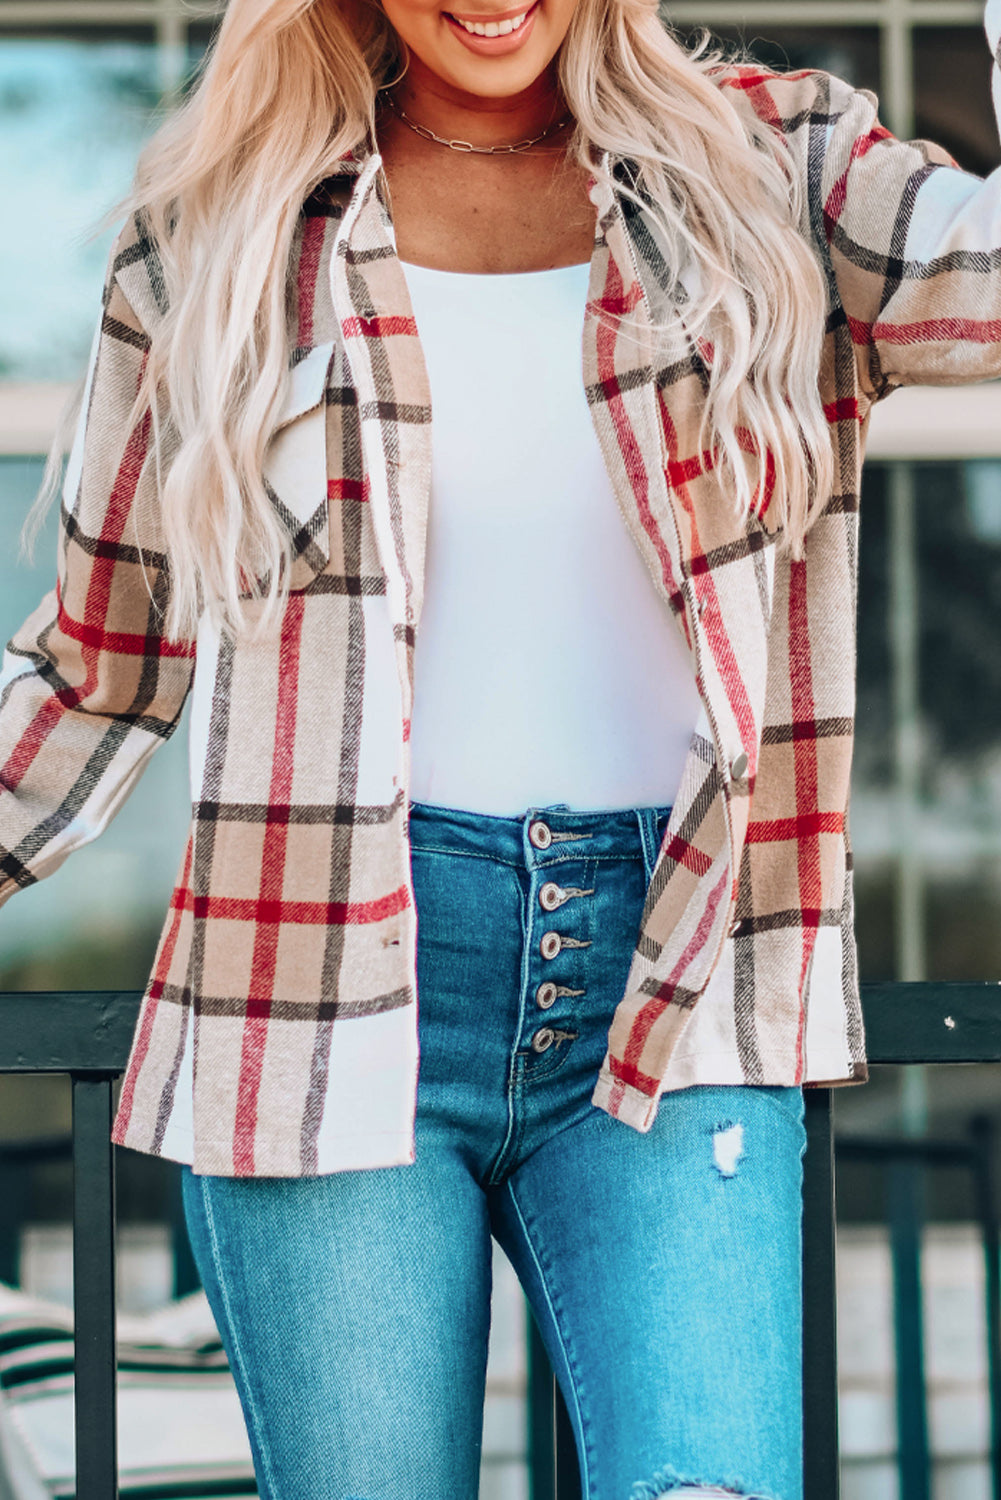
(289, 948)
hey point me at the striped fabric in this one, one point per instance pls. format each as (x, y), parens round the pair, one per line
(180, 1426)
(291, 938)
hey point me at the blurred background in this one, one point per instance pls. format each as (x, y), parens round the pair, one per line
(82, 84)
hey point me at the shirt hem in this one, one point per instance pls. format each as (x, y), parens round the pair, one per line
(334, 1153)
(629, 1104)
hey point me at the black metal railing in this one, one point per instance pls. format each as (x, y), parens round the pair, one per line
(87, 1034)
(905, 1023)
(905, 1165)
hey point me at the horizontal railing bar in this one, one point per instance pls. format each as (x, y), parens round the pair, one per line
(932, 1023)
(90, 1031)
(67, 1031)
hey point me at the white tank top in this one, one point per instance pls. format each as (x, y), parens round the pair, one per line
(547, 667)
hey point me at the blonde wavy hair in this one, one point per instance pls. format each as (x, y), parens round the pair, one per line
(289, 87)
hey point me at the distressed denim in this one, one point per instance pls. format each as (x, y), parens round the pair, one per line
(663, 1268)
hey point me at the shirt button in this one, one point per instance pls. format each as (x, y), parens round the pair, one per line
(539, 834)
(738, 766)
(545, 995)
(737, 928)
(550, 944)
(543, 1038)
(551, 896)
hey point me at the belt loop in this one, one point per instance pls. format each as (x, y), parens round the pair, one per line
(646, 817)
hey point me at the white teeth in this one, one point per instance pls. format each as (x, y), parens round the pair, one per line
(492, 28)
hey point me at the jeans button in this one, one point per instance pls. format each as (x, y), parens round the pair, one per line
(543, 1038)
(539, 834)
(551, 896)
(545, 995)
(550, 945)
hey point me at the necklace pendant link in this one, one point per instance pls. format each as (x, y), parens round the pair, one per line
(467, 146)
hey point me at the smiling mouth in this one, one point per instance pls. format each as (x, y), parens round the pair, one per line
(506, 27)
(492, 28)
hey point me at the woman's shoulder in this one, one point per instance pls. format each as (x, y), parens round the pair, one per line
(134, 270)
(798, 101)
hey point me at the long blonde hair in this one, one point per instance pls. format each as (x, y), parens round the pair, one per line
(288, 88)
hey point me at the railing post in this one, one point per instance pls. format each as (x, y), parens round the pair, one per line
(985, 1145)
(567, 1470)
(541, 1425)
(906, 1216)
(553, 1472)
(94, 1362)
(821, 1475)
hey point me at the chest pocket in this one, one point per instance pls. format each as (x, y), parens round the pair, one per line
(295, 465)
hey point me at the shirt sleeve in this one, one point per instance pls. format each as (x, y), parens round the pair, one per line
(915, 246)
(89, 686)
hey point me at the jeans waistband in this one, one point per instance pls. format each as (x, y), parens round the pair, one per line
(542, 835)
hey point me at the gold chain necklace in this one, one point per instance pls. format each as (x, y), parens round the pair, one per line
(429, 135)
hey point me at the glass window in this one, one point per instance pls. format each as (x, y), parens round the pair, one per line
(849, 52)
(74, 112)
(952, 82)
(952, 817)
(200, 36)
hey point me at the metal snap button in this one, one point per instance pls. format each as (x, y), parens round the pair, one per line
(550, 945)
(551, 896)
(738, 766)
(545, 995)
(539, 834)
(737, 928)
(543, 1038)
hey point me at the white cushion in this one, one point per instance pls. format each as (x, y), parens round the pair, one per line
(179, 1417)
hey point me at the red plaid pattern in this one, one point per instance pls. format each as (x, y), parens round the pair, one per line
(291, 938)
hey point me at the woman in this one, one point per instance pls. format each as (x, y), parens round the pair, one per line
(435, 675)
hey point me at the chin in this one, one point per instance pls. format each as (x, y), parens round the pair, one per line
(489, 85)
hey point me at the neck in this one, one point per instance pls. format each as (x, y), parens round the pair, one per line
(456, 115)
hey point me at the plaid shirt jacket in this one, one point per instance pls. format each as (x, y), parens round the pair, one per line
(290, 944)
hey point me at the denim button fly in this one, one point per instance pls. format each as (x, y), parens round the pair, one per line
(550, 945)
(551, 896)
(586, 873)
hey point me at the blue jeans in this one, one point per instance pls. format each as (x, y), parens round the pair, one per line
(663, 1269)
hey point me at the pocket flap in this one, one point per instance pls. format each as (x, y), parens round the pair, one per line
(295, 462)
(307, 384)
